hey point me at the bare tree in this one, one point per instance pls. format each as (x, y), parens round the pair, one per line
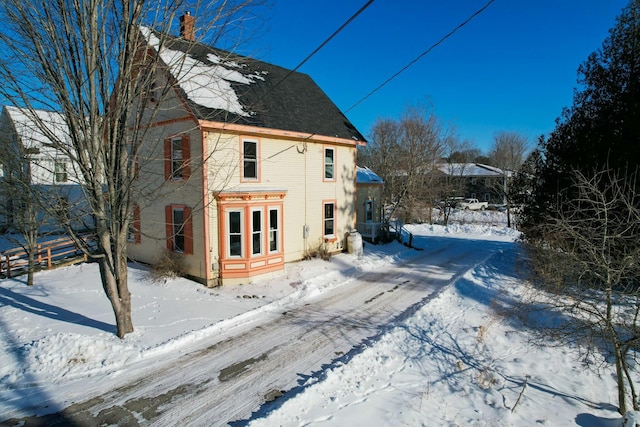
(88, 61)
(587, 252)
(509, 150)
(381, 155)
(508, 153)
(451, 186)
(21, 209)
(403, 153)
(420, 149)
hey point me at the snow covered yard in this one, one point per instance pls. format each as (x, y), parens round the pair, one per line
(460, 360)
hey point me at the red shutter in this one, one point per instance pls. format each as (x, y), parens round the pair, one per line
(168, 216)
(167, 158)
(188, 232)
(186, 157)
(136, 168)
(137, 238)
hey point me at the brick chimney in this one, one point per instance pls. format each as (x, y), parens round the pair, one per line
(188, 27)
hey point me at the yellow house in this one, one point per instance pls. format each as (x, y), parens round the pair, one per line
(258, 167)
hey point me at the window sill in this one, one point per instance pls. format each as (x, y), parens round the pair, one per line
(330, 238)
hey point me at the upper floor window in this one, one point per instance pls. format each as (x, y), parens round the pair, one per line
(151, 92)
(329, 164)
(177, 152)
(60, 171)
(249, 160)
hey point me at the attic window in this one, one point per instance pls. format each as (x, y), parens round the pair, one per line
(177, 158)
(151, 92)
(61, 171)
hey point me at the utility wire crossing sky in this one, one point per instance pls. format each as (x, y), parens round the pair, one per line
(491, 66)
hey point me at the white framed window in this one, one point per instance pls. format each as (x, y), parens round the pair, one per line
(256, 232)
(368, 210)
(235, 233)
(60, 170)
(274, 230)
(178, 221)
(329, 164)
(249, 160)
(176, 158)
(328, 219)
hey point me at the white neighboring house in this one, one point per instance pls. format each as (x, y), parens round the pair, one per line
(29, 161)
(475, 181)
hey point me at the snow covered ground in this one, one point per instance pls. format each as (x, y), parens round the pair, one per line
(457, 361)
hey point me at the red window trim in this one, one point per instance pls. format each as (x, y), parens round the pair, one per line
(188, 228)
(186, 158)
(137, 237)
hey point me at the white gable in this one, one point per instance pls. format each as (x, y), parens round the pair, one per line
(31, 134)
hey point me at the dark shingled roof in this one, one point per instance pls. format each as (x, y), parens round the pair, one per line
(294, 104)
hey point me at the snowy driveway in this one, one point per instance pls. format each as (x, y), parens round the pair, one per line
(231, 377)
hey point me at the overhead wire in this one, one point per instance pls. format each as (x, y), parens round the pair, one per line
(316, 50)
(433, 46)
(425, 52)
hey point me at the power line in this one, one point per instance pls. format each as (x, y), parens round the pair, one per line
(335, 33)
(433, 46)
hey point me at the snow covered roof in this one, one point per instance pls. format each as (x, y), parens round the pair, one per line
(469, 169)
(224, 87)
(364, 175)
(30, 134)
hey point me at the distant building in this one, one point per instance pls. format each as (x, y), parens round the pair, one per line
(31, 167)
(369, 207)
(472, 180)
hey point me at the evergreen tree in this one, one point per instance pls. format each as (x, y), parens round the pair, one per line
(602, 128)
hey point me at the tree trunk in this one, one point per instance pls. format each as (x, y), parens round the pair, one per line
(113, 272)
(632, 388)
(31, 265)
(622, 389)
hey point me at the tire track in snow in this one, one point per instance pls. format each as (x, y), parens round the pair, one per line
(232, 378)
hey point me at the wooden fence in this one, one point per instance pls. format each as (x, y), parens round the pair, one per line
(49, 254)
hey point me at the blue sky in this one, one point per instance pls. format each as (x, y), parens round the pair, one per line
(513, 68)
